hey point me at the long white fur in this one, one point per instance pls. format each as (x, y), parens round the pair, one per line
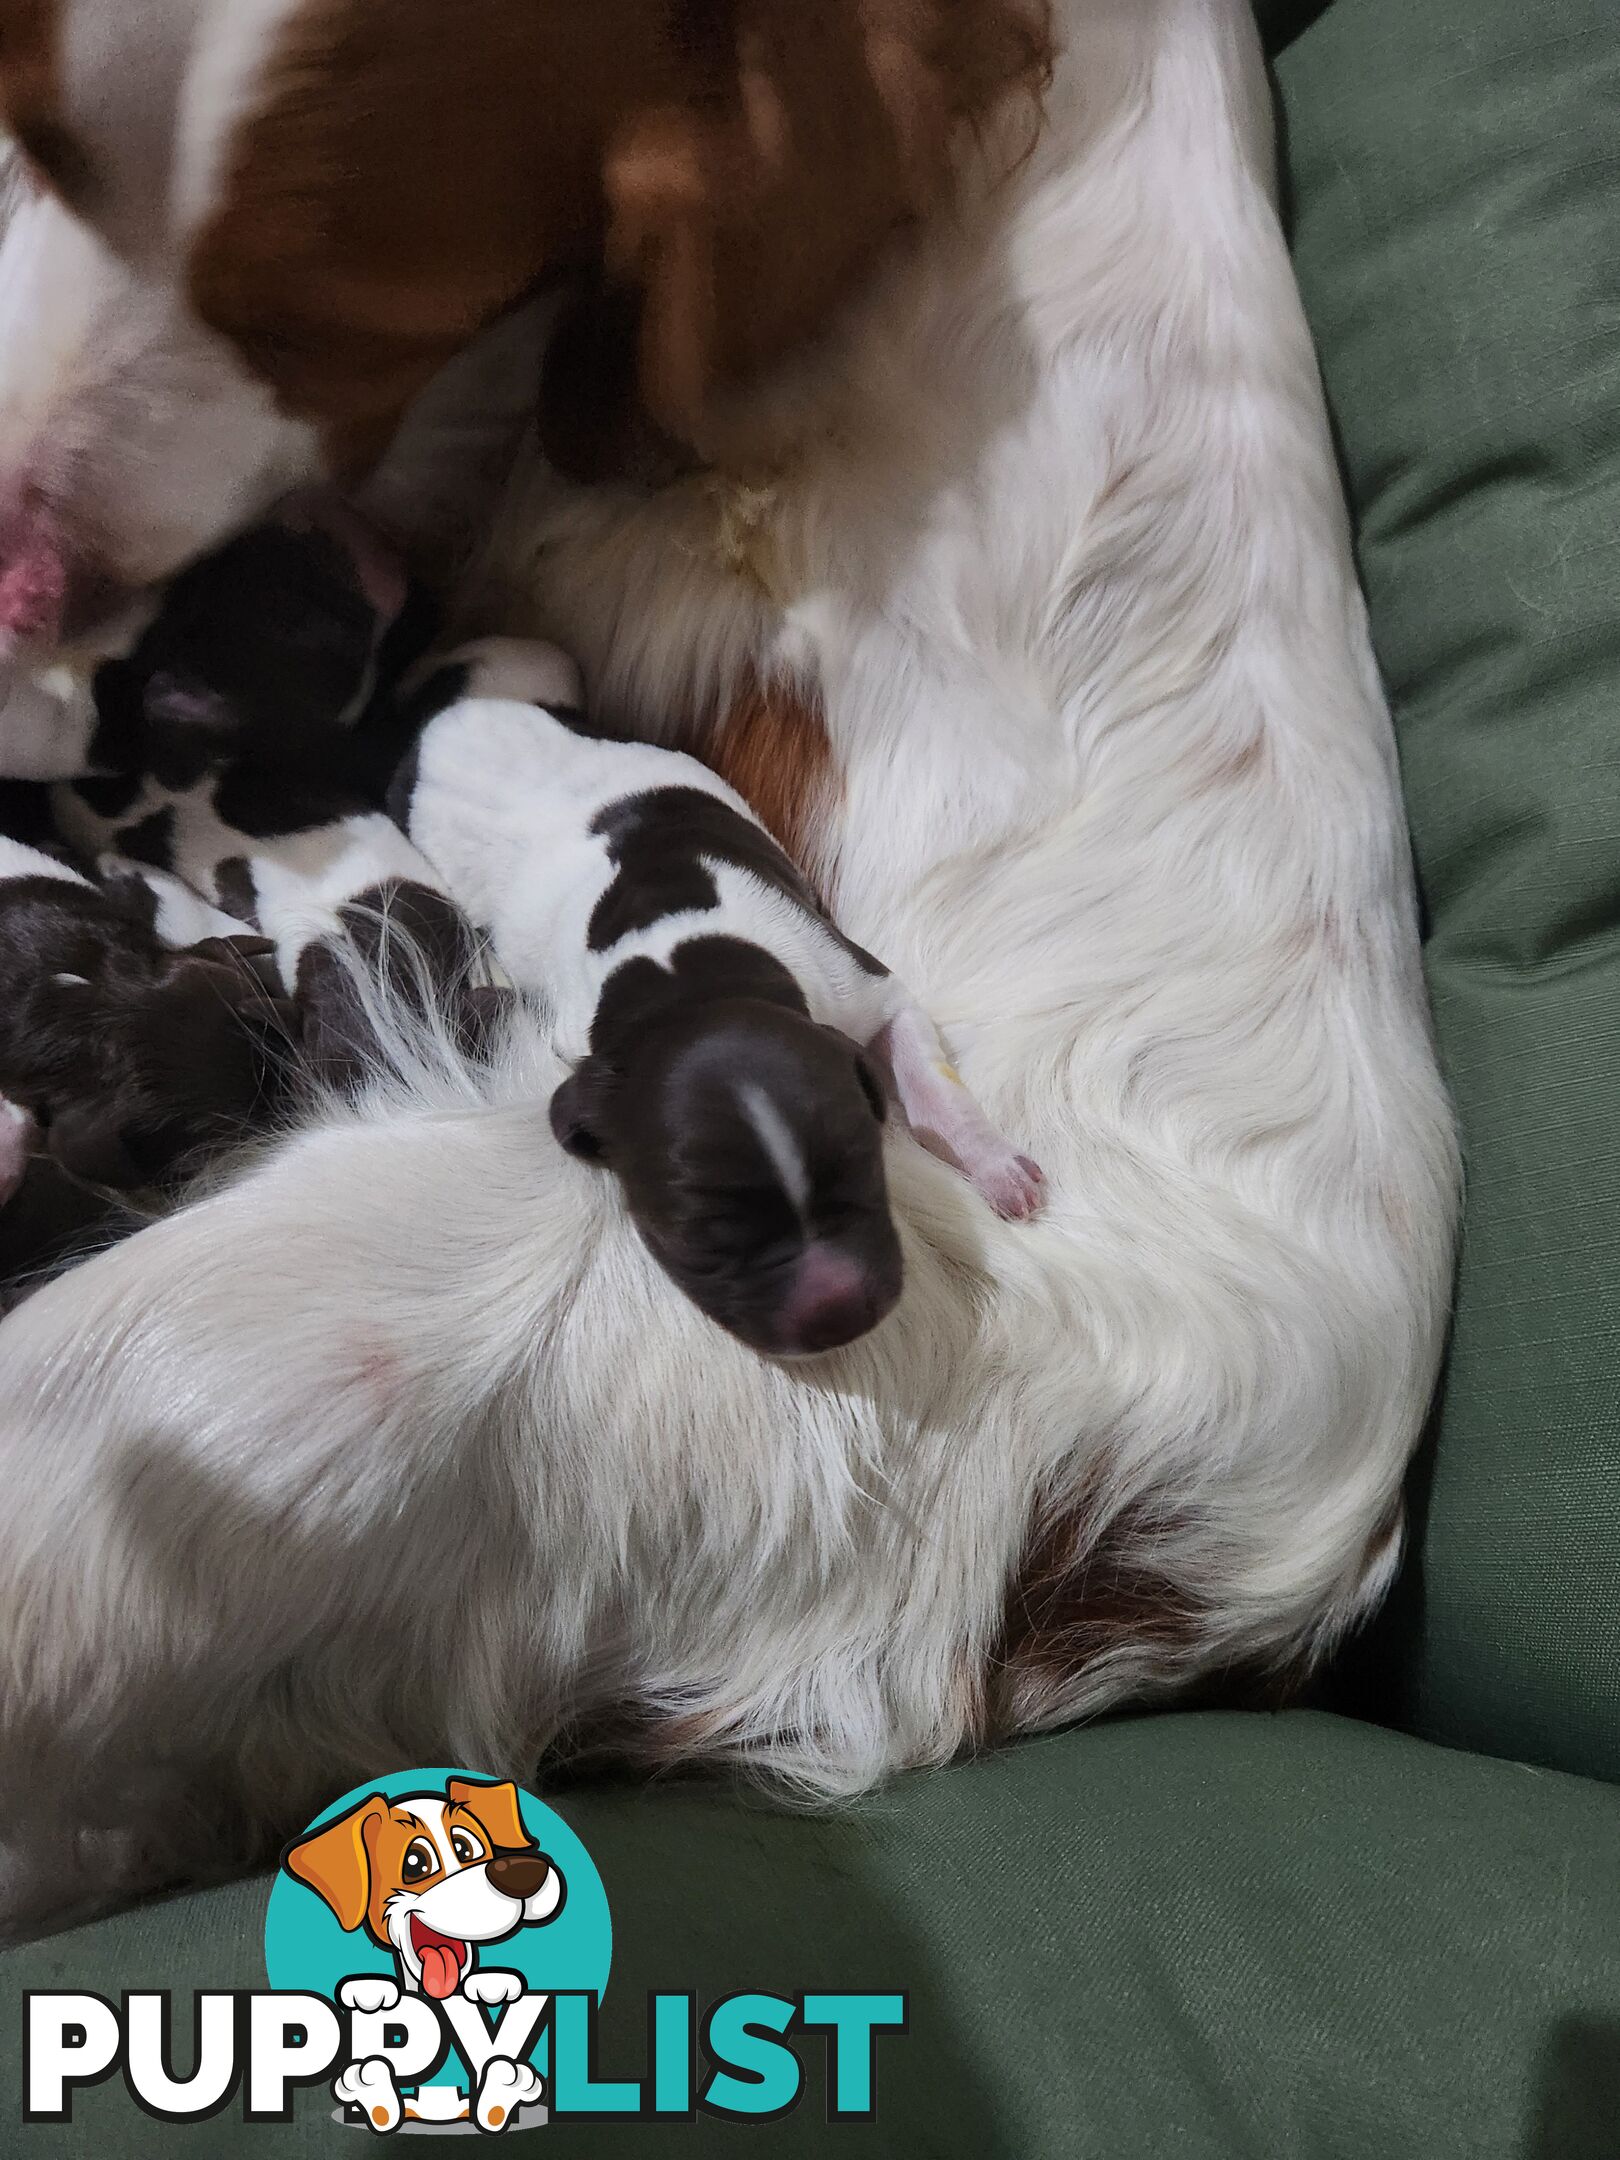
(1054, 529)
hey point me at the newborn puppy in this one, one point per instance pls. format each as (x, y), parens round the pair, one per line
(46, 1217)
(271, 648)
(727, 1034)
(130, 1057)
(253, 744)
(338, 875)
(318, 870)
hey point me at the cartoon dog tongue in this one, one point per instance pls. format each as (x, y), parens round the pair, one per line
(441, 1968)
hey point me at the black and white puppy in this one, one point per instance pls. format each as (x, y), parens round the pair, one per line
(49, 1219)
(729, 1040)
(309, 858)
(270, 652)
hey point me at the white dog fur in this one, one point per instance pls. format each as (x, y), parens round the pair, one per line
(401, 1449)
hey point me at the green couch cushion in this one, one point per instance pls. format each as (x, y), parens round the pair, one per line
(1453, 179)
(1210, 1935)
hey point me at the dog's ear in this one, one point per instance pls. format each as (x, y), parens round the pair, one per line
(497, 1808)
(481, 1013)
(745, 211)
(88, 1143)
(335, 1862)
(579, 1110)
(872, 1086)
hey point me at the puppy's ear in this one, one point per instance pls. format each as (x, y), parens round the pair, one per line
(497, 1808)
(335, 1862)
(579, 1110)
(87, 1143)
(872, 1085)
(378, 567)
(481, 1012)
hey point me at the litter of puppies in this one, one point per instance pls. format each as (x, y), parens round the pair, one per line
(219, 846)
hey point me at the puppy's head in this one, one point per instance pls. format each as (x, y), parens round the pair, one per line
(431, 1876)
(264, 645)
(130, 1056)
(749, 1142)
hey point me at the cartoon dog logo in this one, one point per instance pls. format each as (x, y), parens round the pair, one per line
(433, 1877)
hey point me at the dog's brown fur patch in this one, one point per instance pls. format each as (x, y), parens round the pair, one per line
(30, 100)
(772, 746)
(407, 176)
(1078, 1592)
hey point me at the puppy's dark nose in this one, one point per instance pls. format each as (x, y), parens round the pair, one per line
(518, 1874)
(834, 1300)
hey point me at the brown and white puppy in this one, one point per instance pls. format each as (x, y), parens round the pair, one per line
(49, 1219)
(262, 798)
(131, 1057)
(240, 259)
(729, 1043)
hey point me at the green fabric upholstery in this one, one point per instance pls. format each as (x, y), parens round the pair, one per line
(1453, 179)
(1201, 1935)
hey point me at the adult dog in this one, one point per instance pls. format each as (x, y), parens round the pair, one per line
(1024, 609)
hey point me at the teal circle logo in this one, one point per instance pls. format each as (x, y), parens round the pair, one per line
(440, 1897)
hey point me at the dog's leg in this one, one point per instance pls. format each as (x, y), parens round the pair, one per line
(949, 1122)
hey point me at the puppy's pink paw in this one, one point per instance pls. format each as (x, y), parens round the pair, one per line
(1014, 1185)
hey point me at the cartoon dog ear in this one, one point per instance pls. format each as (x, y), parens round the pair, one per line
(579, 1110)
(497, 1808)
(335, 1862)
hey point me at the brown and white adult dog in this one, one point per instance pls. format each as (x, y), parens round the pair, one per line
(1024, 608)
(267, 224)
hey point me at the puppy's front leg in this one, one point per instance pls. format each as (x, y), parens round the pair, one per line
(948, 1121)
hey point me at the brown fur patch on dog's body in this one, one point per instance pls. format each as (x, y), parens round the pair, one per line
(772, 746)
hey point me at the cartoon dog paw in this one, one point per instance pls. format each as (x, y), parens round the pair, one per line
(503, 2089)
(369, 1991)
(370, 2086)
(493, 1988)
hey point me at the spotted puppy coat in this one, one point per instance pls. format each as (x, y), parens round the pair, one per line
(122, 1055)
(726, 1037)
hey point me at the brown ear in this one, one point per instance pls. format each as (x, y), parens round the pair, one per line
(497, 1808)
(746, 215)
(335, 1862)
(578, 1110)
(872, 1086)
(88, 1143)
